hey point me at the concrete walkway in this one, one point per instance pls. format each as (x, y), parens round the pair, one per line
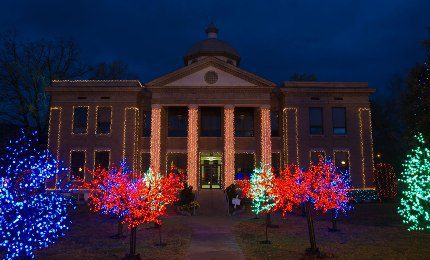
(212, 238)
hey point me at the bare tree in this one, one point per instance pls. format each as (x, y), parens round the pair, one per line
(111, 71)
(26, 68)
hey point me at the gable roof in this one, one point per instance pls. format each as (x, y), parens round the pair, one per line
(206, 62)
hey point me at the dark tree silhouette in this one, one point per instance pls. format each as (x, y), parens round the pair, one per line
(26, 68)
(303, 77)
(115, 70)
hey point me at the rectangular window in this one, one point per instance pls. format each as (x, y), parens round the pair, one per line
(146, 124)
(341, 160)
(244, 165)
(315, 156)
(276, 163)
(244, 122)
(274, 122)
(80, 120)
(177, 121)
(316, 121)
(102, 159)
(339, 120)
(77, 164)
(177, 160)
(145, 161)
(210, 121)
(104, 115)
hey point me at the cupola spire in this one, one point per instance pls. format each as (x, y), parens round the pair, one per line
(212, 31)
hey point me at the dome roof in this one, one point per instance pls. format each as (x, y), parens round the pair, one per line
(211, 47)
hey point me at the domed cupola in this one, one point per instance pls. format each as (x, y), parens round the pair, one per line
(212, 47)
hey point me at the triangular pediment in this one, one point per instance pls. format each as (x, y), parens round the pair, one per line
(203, 72)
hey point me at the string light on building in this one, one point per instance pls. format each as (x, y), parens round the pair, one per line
(360, 117)
(97, 118)
(229, 141)
(318, 152)
(134, 153)
(87, 119)
(286, 137)
(155, 149)
(81, 169)
(57, 155)
(266, 138)
(97, 150)
(192, 146)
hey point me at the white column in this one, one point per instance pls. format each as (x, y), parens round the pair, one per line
(155, 149)
(192, 146)
(266, 139)
(228, 145)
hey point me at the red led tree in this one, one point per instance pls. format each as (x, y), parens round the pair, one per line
(321, 186)
(134, 201)
(326, 189)
(289, 189)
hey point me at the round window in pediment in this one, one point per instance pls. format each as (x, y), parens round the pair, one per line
(211, 77)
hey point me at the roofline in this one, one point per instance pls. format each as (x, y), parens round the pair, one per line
(96, 83)
(324, 84)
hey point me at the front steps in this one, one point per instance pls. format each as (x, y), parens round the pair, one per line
(212, 203)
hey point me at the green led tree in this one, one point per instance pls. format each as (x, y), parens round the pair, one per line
(415, 201)
(262, 194)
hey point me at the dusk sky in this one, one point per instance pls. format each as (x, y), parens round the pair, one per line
(335, 40)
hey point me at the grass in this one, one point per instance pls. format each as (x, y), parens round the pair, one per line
(371, 231)
(89, 238)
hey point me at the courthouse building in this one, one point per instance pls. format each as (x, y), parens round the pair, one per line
(212, 120)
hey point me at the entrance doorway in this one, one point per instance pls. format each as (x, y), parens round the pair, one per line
(210, 170)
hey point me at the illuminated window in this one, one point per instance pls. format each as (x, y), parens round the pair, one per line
(177, 121)
(339, 120)
(210, 121)
(316, 121)
(102, 159)
(80, 120)
(77, 164)
(104, 115)
(341, 160)
(244, 122)
(244, 165)
(274, 122)
(146, 124)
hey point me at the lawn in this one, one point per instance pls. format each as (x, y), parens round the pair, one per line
(371, 231)
(89, 238)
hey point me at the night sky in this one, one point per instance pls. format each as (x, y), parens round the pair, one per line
(341, 40)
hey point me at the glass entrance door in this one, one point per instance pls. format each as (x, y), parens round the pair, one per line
(210, 171)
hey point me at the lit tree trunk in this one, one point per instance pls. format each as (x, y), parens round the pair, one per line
(160, 242)
(268, 219)
(310, 221)
(132, 255)
(120, 229)
(333, 221)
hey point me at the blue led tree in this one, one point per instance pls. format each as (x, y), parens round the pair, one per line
(31, 217)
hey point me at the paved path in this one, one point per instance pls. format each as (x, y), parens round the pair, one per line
(212, 238)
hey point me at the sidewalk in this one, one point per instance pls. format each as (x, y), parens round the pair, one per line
(212, 238)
